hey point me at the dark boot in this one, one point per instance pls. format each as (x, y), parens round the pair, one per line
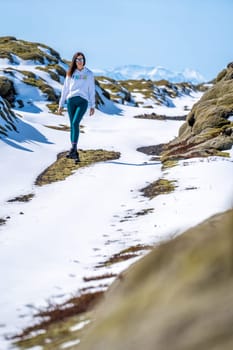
(72, 153)
(76, 157)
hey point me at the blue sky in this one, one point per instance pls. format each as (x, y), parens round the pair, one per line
(175, 34)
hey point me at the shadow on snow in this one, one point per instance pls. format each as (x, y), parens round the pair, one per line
(133, 164)
(25, 133)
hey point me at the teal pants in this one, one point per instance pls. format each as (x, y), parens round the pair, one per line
(77, 107)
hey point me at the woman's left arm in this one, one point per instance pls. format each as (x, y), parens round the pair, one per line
(92, 94)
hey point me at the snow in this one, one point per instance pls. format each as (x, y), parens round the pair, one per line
(72, 226)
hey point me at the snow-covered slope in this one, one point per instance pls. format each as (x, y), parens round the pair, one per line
(152, 73)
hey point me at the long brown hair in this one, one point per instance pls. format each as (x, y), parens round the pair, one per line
(73, 63)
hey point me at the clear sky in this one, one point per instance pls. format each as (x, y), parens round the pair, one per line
(175, 34)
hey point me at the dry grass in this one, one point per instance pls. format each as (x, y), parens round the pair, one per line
(57, 313)
(125, 254)
(158, 187)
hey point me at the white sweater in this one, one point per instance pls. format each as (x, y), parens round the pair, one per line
(81, 84)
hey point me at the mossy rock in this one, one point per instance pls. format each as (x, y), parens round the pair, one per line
(64, 167)
(204, 131)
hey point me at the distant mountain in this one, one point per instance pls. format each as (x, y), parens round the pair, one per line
(136, 72)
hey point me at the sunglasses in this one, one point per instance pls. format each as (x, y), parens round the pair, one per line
(81, 60)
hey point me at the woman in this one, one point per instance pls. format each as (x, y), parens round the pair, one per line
(79, 91)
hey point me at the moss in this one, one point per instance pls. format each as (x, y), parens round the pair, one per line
(169, 164)
(23, 198)
(61, 71)
(155, 116)
(163, 82)
(31, 79)
(52, 74)
(64, 167)
(112, 89)
(52, 107)
(140, 85)
(161, 186)
(222, 154)
(54, 70)
(27, 50)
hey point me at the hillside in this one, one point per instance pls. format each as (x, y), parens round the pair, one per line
(33, 73)
(146, 93)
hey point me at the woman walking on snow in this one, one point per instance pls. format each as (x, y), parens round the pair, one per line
(79, 91)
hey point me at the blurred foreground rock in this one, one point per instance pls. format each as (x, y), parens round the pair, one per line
(177, 297)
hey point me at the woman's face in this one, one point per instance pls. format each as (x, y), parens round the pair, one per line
(79, 62)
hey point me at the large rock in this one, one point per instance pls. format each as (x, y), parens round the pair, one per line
(177, 297)
(7, 90)
(207, 129)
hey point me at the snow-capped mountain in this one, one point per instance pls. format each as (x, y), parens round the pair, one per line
(153, 73)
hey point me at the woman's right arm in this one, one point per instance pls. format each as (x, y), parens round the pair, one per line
(64, 93)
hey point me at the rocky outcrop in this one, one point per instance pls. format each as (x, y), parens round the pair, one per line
(177, 297)
(47, 72)
(7, 90)
(207, 130)
(145, 93)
